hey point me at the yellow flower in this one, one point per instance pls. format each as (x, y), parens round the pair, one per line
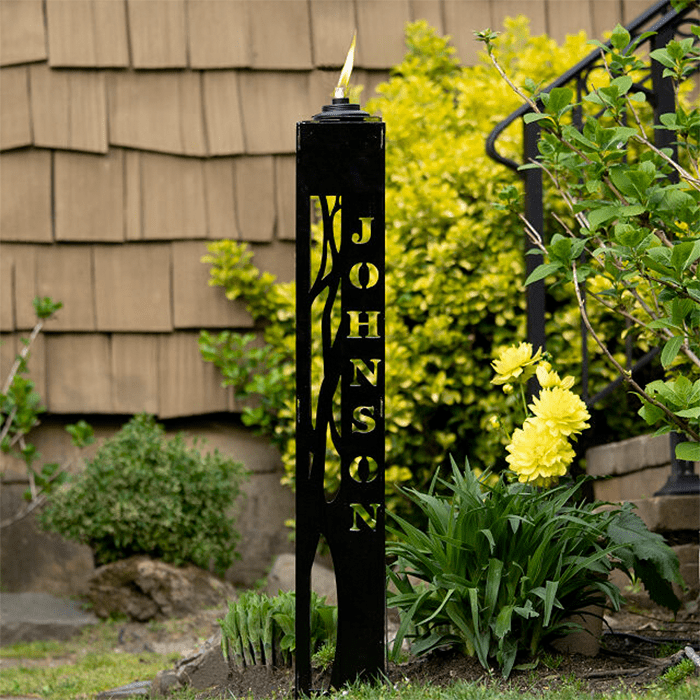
(515, 363)
(561, 411)
(549, 379)
(537, 455)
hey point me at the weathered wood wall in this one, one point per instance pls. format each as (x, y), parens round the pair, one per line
(133, 131)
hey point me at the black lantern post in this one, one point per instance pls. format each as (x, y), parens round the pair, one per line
(340, 414)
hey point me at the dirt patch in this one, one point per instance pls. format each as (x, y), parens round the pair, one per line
(637, 647)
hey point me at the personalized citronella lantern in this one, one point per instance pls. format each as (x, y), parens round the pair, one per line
(340, 379)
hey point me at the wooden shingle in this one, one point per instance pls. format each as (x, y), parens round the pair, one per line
(132, 287)
(631, 9)
(89, 196)
(534, 10)
(322, 86)
(564, 17)
(64, 273)
(25, 196)
(8, 343)
(78, 373)
(280, 35)
(430, 11)
(133, 210)
(69, 108)
(134, 373)
(37, 364)
(222, 107)
(218, 34)
(87, 33)
(369, 80)
(332, 26)
(462, 19)
(380, 32)
(220, 195)
(15, 129)
(285, 197)
(22, 38)
(272, 129)
(195, 303)
(157, 111)
(7, 292)
(172, 197)
(158, 33)
(201, 392)
(606, 15)
(276, 258)
(255, 197)
(24, 261)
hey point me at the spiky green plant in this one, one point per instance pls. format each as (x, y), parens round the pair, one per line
(258, 630)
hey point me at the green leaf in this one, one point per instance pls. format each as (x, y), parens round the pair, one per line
(671, 350)
(557, 100)
(620, 38)
(685, 254)
(652, 559)
(599, 216)
(542, 271)
(689, 451)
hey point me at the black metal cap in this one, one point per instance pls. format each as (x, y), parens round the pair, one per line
(341, 109)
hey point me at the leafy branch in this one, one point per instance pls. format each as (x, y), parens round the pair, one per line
(20, 407)
(637, 216)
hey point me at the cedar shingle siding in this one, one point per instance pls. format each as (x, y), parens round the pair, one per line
(134, 131)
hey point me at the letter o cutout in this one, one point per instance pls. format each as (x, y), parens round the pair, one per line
(364, 275)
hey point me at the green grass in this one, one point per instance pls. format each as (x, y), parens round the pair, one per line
(80, 667)
(88, 664)
(569, 690)
(90, 674)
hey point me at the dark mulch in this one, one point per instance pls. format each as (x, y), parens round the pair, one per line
(635, 651)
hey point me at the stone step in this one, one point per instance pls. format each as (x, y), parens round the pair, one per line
(28, 617)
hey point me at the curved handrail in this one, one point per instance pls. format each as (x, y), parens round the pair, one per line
(668, 15)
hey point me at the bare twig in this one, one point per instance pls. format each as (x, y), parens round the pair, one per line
(625, 374)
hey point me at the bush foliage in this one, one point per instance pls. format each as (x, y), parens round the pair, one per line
(454, 265)
(631, 241)
(500, 569)
(146, 494)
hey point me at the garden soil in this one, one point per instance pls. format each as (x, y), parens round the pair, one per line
(638, 645)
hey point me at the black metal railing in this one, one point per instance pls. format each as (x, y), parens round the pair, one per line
(664, 23)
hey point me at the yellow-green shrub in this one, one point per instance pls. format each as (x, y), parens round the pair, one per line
(454, 264)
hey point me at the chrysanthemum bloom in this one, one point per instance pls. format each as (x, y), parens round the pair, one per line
(549, 379)
(537, 455)
(515, 363)
(561, 411)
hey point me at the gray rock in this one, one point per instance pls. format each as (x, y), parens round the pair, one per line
(205, 668)
(29, 617)
(144, 589)
(139, 689)
(281, 578)
(165, 682)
